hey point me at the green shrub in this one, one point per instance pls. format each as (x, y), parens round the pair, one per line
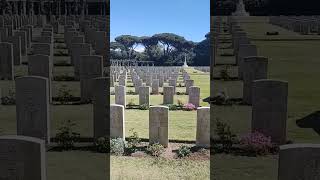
(9, 99)
(102, 144)
(64, 94)
(130, 92)
(181, 93)
(183, 151)
(64, 78)
(59, 41)
(272, 33)
(60, 46)
(131, 104)
(226, 137)
(62, 64)
(61, 53)
(66, 137)
(117, 146)
(133, 142)
(144, 107)
(172, 107)
(202, 151)
(155, 149)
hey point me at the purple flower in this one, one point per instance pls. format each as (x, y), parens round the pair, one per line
(256, 143)
(189, 107)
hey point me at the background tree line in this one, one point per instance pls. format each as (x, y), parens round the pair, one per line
(164, 49)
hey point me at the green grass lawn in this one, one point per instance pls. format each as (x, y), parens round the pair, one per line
(80, 165)
(301, 72)
(202, 80)
(294, 61)
(182, 124)
(249, 168)
(150, 168)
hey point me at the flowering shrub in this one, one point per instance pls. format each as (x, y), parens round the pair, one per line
(189, 107)
(155, 149)
(117, 146)
(256, 143)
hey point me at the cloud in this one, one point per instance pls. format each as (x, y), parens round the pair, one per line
(140, 49)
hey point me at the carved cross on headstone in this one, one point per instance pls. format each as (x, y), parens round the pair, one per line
(31, 109)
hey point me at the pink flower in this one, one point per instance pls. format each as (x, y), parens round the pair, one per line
(256, 142)
(189, 107)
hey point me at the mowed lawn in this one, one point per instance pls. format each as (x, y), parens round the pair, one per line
(182, 124)
(125, 168)
(294, 61)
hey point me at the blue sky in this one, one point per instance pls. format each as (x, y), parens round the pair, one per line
(188, 18)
